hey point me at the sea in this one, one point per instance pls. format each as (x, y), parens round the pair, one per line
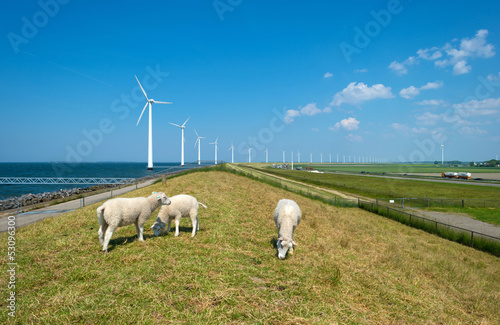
(94, 169)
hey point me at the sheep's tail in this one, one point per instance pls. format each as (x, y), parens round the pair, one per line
(100, 215)
(203, 205)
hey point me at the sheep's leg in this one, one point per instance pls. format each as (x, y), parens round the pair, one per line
(168, 227)
(102, 231)
(140, 230)
(109, 232)
(177, 221)
(194, 221)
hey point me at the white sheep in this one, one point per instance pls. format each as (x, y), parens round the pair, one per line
(182, 206)
(121, 212)
(287, 216)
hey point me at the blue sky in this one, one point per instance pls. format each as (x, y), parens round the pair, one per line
(386, 80)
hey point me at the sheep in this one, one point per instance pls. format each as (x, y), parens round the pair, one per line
(287, 217)
(181, 206)
(121, 212)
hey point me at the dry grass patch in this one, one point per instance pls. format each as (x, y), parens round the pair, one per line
(350, 267)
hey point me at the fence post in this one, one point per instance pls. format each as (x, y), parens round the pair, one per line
(83, 199)
(335, 201)
(358, 202)
(436, 227)
(410, 219)
(387, 212)
(428, 202)
(471, 239)
(463, 205)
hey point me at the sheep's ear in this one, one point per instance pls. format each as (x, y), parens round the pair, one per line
(153, 193)
(162, 225)
(294, 243)
(280, 239)
(151, 226)
(158, 196)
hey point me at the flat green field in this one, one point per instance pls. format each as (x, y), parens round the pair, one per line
(350, 267)
(399, 168)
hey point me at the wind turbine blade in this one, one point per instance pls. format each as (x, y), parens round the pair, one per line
(216, 139)
(141, 87)
(142, 112)
(158, 102)
(196, 142)
(174, 124)
(196, 133)
(186, 121)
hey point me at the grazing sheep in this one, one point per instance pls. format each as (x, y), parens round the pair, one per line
(287, 216)
(182, 206)
(121, 212)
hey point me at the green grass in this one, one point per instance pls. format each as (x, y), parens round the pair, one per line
(399, 168)
(351, 267)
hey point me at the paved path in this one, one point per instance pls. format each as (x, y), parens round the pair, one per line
(27, 218)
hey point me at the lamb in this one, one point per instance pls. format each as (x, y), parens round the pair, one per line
(181, 206)
(121, 212)
(287, 216)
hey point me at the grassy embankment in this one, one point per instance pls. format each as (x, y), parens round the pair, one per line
(351, 267)
(376, 187)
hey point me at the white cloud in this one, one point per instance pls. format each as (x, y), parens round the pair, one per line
(361, 70)
(328, 75)
(409, 92)
(315, 129)
(356, 93)
(354, 138)
(412, 92)
(471, 130)
(428, 118)
(493, 77)
(308, 110)
(457, 55)
(349, 124)
(432, 102)
(399, 127)
(478, 107)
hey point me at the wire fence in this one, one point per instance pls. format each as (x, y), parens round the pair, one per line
(467, 237)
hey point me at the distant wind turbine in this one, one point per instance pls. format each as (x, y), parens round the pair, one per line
(198, 140)
(283, 156)
(298, 156)
(182, 127)
(232, 152)
(330, 158)
(442, 154)
(150, 132)
(216, 148)
(249, 154)
(267, 154)
(321, 157)
(311, 157)
(292, 160)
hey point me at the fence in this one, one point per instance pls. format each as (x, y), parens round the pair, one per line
(422, 202)
(464, 236)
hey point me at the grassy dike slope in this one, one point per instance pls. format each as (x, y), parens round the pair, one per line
(351, 267)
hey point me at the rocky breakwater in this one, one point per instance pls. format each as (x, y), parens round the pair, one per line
(29, 199)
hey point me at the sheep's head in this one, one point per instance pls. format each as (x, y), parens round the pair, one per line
(164, 200)
(284, 244)
(158, 228)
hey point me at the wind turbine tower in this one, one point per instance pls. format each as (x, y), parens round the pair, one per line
(267, 155)
(183, 126)
(292, 160)
(283, 156)
(198, 140)
(442, 154)
(216, 148)
(249, 154)
(311, 157)
(330, 158)
(232, 152)
(298, 156)
(150, 132)
(321, 157)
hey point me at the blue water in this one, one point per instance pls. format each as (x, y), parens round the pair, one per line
(106, 169)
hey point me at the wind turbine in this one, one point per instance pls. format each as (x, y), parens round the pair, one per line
(267, 153)
(321, 159)
(330, 158)
(150, 132)
(283, 156)
(182, 127)
(216, 148)
(249, 154)
(298, 156)
(232, 152)
(311, 157)
(292, 160)
(198, 140)
(442, 154)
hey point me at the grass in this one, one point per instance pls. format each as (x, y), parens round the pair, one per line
(400, 168)
(351, 267)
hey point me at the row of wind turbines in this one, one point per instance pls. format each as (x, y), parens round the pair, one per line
(215, 143)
